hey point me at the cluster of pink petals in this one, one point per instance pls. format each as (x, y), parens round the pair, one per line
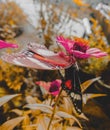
(79, 49)
(4, 44)
(52, 87)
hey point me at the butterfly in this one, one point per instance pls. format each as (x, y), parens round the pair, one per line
(71, 84)
(73, 88)
(39, 57)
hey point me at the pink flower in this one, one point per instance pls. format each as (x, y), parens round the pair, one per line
(4, 44)
(79, 48)
(52, 87)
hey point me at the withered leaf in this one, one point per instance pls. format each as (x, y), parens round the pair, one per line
(6, 98)
(87, 83)
(11, 124)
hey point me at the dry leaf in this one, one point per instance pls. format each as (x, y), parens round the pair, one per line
(57, 127)
(88, 96)
(30, 127)
(68, 116)
(87, 83)
(42, 122)
(73, 128)
(5, 99)
(83, 116)
(65, 105)
(26, 122)
(41, 107)
(30, 100)
(17, 111)
(56, 121)
(11, 124)
(103, 84)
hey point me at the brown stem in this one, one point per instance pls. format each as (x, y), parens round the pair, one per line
(54, 109)
(51, 100)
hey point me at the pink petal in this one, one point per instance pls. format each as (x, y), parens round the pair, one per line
(44, 84)
(63, 55)
(57, 83)
(67, 58)
(4, 44)
(90, 52)
(93, 50)
(79, 54)
(96, 52)
(66, 43)
(98, 55)
(55, 93)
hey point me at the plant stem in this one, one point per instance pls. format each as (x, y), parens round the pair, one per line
(51, 100)
(54, 109)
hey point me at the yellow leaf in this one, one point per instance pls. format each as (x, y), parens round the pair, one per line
(64, 107)
(68, 116)
(56, 120)
(68, 103)
(30, 127)
(87, 83)
(88, 96)
(73, 128)
(17, 111)
(30, 100)
(5, 99)
(103, 84)
(11, 22)
(41, 107)
(3, 91)
(42, 122)
(26, 121)
(11, 124)
(57, 127)
(83, 116)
